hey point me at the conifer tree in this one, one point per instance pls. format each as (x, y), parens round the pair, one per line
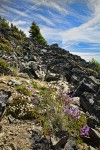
(35, 33)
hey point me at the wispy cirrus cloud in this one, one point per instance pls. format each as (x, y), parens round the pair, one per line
(19, 22)
(14, 10)
(45, 19)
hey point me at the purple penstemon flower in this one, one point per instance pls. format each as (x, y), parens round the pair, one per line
(85, 130)
(78, 117)
(71, 110)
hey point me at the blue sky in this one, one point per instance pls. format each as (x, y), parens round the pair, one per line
(73, 24)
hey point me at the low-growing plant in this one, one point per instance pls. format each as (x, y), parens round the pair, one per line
(3, 64)
(19, 108)
(95, 63)
(89, 70)
(23, 90)
(35, 85)
(4, 67)
(5, 47)
(77, 122)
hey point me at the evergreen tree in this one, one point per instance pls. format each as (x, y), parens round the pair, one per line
(35, 33)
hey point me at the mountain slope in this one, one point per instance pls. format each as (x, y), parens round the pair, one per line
(47, 85)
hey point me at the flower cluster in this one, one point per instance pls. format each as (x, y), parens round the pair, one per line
(76, 116)
(85, 130)
(68, 109)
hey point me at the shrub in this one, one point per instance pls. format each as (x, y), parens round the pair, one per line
(5, 47)
(95, 63)
(19, 108)
(3, 64)
(23, 90)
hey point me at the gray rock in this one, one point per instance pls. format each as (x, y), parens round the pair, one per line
(23, 75)
(59, 139)
(26, 58)
(93, 79)
(11, 119)
(91, 148)
(4, 96)
(40, 143)
(70, 145)
(93, 139)
(88, 103)
(84, 87)
(75, 79)
(92, 121)
(13, 83)
(52, 77)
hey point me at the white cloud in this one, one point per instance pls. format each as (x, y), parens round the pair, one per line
(55, 4)
(13, 10)
(19, 22)
(51, 33)
(45, 19)
(87, 32)
(26, 30)
(88, 56)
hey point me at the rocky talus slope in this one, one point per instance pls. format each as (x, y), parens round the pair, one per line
(49, 98)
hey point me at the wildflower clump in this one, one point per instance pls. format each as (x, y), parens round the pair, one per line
(19, 108)
(77, 121)
(70, 110)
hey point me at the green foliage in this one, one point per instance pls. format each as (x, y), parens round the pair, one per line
(4, 24)
(10, 34)
(35, 85)
(35, 33)
(53, 117)
(89, 70)
(19, 108)
(95, 63)
(5, 45)
(3, 64)
(23, 90)
(49, 113)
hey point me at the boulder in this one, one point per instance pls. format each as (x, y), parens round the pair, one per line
(84, 87)
(59, 139)
(52, 77)
(40, 143)
(13, 83)
(4, 96)
(92, 121)
(88, 103)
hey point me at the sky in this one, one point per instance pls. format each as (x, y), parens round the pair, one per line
(73, 24)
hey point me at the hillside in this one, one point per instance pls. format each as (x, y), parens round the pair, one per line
(49, 98)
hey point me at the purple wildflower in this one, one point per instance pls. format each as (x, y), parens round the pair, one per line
(85, 130)
(71, 110)
(78, 117)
